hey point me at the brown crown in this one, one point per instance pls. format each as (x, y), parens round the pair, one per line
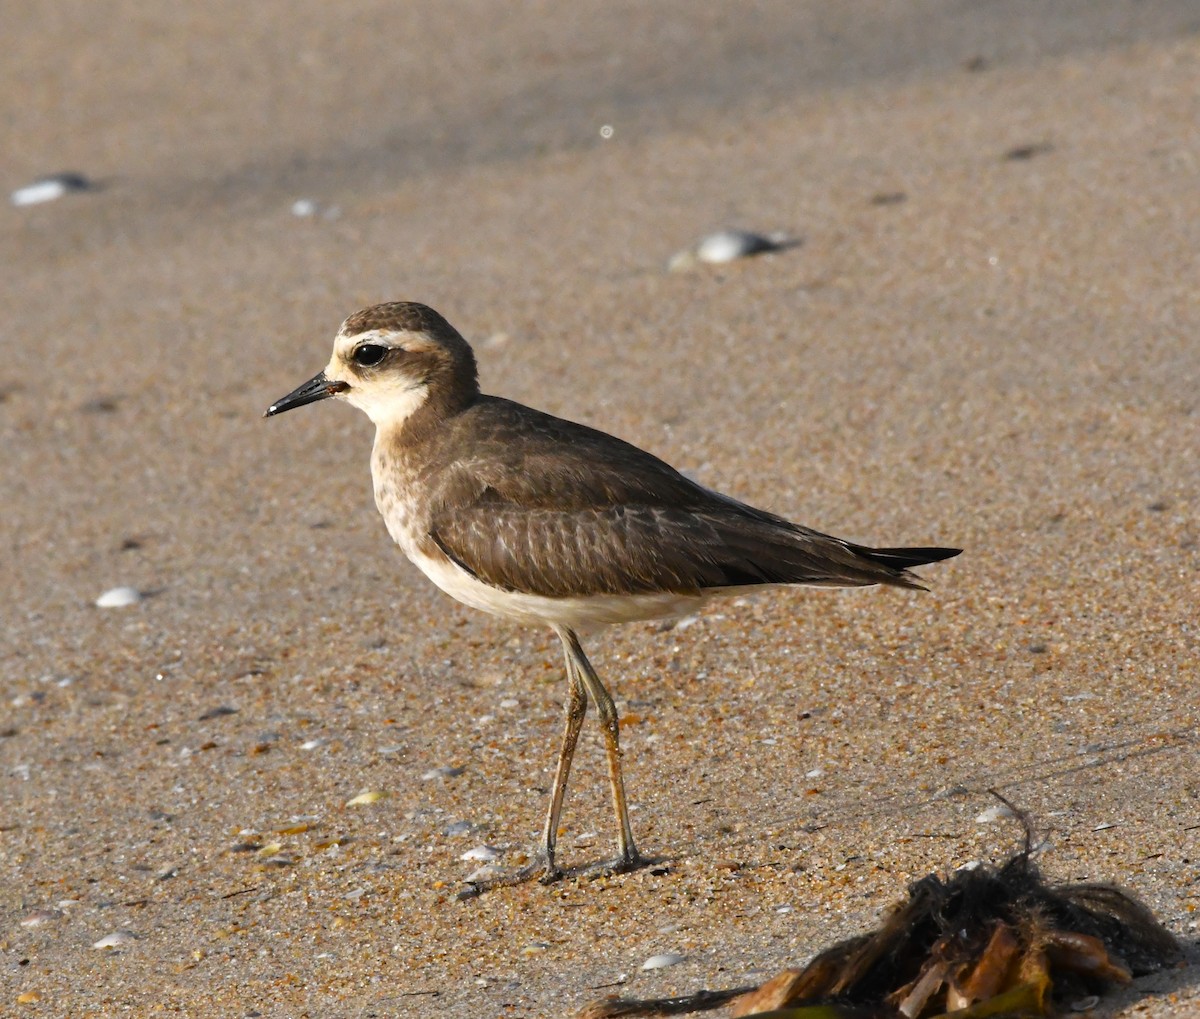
(399, 316)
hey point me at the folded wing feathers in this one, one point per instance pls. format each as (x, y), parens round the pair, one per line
(624, 549)
(568, 511)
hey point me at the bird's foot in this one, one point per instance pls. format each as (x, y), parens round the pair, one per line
(541, 870)
(626, 863)
(546, 872)
(550, 874)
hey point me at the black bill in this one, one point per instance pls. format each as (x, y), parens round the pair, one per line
(317, 388)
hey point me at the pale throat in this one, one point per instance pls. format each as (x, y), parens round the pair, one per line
(388, 405)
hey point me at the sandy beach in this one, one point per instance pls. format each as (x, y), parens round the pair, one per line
(988, 336)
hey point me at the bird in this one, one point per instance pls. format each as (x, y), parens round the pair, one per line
(544, 521)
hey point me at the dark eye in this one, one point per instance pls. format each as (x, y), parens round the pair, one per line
(369, 354)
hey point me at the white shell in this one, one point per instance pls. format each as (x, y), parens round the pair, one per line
(728, 246)
(47, 189)
(663, 961)
(484, 854)
(41, 916)
(119, 597)
(115, 940)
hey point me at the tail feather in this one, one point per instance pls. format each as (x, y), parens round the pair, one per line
(748, 557)
(903, 558)
(896, 562)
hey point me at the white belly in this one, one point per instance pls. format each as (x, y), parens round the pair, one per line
(533, 608)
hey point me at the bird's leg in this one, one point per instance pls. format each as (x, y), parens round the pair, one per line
(576, 709)
(583, 682)
(629, 858)
(544, 868)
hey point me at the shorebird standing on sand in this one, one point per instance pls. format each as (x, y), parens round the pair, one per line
(541, 520)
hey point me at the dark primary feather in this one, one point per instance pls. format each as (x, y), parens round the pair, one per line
(902, 558)
(554, 508)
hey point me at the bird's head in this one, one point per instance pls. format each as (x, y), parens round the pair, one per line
(390, 361)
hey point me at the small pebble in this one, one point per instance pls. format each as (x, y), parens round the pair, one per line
(119, 597)
(459, 828)
(485, 854)
(47, 189)
(433, 773)
(997, 813)
(278, 860)
(115, 940)
(1024, 152)
(306, 208)
(100, 405)
(663, 961)
(371, 796)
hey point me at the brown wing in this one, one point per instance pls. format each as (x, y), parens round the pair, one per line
(638, 550)
(549, 507)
